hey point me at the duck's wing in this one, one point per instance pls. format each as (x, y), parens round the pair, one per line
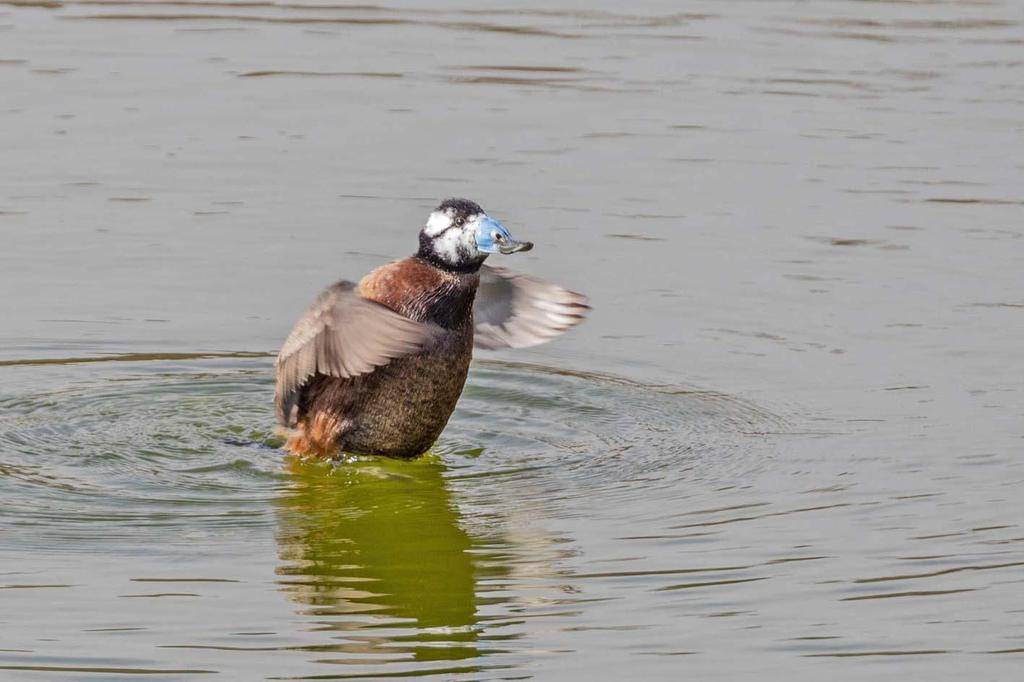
(342, 335)
(515, 311)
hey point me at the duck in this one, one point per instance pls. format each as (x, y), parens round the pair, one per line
(377, 367)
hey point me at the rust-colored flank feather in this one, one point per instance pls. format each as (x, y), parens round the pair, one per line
(317, 435)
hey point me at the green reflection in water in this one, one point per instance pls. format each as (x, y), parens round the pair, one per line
(373, 548)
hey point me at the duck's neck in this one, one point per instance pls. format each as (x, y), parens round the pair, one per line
(465, 264)
(449, 303)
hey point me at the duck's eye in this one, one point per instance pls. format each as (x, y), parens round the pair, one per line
(460, 221)
(498, 237)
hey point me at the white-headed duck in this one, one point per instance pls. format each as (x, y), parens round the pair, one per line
(376, 367)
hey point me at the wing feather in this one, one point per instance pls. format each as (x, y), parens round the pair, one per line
(516, 311)
(342, 335)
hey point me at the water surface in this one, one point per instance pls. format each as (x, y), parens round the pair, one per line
(785, 446)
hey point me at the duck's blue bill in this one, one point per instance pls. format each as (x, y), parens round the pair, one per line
(493, 237)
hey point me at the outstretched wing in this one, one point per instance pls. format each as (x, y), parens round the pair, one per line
(342, 335)
(516, 311)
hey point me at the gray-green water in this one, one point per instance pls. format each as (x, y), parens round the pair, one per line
(786, 445)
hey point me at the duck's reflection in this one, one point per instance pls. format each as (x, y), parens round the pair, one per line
(374, 549)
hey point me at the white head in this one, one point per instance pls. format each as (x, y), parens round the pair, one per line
(459, 236)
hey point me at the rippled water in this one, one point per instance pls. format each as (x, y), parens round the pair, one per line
(785, 446)
(168, 466)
